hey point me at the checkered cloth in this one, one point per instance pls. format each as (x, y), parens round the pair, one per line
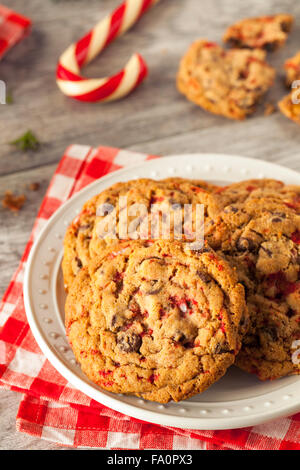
(51, 407)
(13, 27)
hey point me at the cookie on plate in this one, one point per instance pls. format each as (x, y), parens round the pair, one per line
(269, 252)
(83, 238)
(165, 202)
(260, 238)
(267, 32)
(228, 83)
(155, 319)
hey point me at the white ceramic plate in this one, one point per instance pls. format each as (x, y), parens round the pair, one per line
(237, 400)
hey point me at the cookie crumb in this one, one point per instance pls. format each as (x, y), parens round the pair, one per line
(34, 186)
(12, 202)
(269, 109)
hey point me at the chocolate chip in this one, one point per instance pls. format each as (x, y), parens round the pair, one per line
(290, 313)
(270, 46)
(276, 219)
(179, 337)
(104, 209)
(285, 27)
(280, 214)
(233, 42)
(245, 287)
(204, 277)
(128, 342)
(201, 250)
(229, 209)
(78, 262)
(154, 291)
(271, 332)
(82, 228)
(221, 349)
(245, 244)
(119, 286)
(267, 251)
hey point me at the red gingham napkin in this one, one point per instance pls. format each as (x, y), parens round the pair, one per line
(51, 407)
(13, 27)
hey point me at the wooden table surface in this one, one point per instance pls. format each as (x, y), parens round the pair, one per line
(154, 119)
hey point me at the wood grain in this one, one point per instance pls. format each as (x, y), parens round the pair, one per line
(153, 119)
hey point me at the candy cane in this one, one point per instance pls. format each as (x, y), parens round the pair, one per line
(89, 46)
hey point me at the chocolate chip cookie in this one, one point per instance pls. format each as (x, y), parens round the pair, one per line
(155, 319)
(163, 214)
(260, 238)
(89, 232)
(268, 250)
(228, 83)
(267, 32)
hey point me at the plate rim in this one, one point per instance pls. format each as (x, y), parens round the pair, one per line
(211, 423)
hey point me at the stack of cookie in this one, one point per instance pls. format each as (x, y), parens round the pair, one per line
(163, 318)
(231, 82)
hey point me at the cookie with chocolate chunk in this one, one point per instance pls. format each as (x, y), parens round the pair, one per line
(224, 82)
(167, 215)
(155, 319)
(260, 238)
(269, 251)
(89, 233)
(266, 32)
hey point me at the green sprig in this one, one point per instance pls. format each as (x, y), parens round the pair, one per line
(26, 142)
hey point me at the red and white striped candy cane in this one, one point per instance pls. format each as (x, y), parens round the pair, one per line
(89, 46)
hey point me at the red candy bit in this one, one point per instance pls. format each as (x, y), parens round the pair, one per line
(210, 44)
(154, 199)
(105, 373)
(162, 313)
(196, 189)
(251, 188)
(295, 237)
(94, 352)
(220, 317)
(290, 287)
(146, 333)
(126, 327)
(267, 19)
(220, 190)
(145, 314)
(292, 65)
(152, 378)
(139, 377)
(106, 384)
(279, 281)
(220, 267)
(254, 370)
